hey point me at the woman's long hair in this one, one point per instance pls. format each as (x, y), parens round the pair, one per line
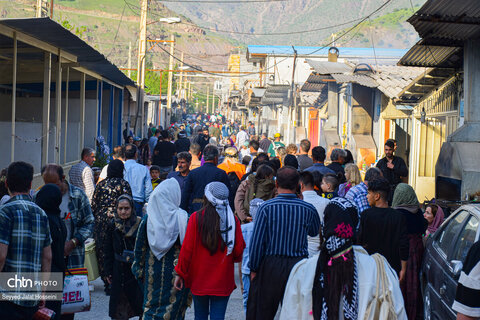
(263, 172)
(208, 223)
(354, 174)
(340, 276)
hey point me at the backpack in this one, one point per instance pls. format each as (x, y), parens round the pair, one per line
(381, 307)
(234, 182)
(264, 190)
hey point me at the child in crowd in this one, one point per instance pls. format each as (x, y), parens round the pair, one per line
(149, 163)
(329, 185)
(155, 175)
(247, 231)
(292, 149)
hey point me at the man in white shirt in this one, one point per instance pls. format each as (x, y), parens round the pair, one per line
(242, 136)
(118, 154)
(320, 203)
(81, 174)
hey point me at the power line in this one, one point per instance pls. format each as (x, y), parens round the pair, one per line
(223, 1)
(254, 34)
(352, 28)
(313, 52)
(116, 34)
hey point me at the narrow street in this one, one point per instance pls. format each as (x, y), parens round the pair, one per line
(99, 310)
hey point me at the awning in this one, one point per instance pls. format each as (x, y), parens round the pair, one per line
(54, 34)
(331, 138)
(423, 55)
(364, 141)
(447, 22)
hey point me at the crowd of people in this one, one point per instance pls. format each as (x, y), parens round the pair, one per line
(171, 215)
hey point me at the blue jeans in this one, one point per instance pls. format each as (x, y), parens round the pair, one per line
(138, 208)
(246, 288)
(214, 305)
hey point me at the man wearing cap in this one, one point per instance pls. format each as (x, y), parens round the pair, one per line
(242, 136)
(275, 145)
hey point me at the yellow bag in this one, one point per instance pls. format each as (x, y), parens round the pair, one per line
(91, 262)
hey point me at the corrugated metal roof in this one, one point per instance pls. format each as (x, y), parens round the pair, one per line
(314, 99)
(276, 94)
(313, 87)
(54, 34)
(315, 82)
(327, 67)
(432, 56)
(449, 20)
(392, 80)
(360, 79)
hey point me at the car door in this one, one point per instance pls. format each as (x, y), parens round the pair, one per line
(437, 264)
(465, 239)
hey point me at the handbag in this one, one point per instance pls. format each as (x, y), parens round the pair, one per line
(381, 307)
(44, 314)
(76, 294)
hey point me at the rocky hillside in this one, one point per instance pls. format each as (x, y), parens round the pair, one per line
(250, 22)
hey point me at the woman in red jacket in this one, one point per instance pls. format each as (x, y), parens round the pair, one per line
(213, 243)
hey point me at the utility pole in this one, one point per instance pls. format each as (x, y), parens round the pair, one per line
(208, 92)
(170, 78)
(293, 96)
(51, 9)
(181, 77)
(129, 72)
(142, 48)
(142, 45)
(41, 9)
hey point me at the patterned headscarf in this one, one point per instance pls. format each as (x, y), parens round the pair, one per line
(341, 222)
(254, 206)
(217, 194)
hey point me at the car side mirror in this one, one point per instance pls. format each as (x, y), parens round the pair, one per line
(457, 267)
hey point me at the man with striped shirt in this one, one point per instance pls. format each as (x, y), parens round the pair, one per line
(279, 241)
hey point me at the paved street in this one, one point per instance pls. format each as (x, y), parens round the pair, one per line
(100, 301)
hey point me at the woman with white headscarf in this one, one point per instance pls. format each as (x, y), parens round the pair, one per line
(213, 243)
(159, 240)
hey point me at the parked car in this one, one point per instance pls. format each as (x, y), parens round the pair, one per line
(445, 253)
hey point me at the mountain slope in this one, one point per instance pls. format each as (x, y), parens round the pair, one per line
(286, 16)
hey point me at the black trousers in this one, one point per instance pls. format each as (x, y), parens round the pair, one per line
(268, 287)
(12, 311)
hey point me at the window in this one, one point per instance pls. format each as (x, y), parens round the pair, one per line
(450, 231)
(465, 240)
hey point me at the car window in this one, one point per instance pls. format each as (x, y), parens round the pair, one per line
(450, 231)
(465, 240)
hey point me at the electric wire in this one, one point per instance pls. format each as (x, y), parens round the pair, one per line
(250, 33)
(116, 33)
